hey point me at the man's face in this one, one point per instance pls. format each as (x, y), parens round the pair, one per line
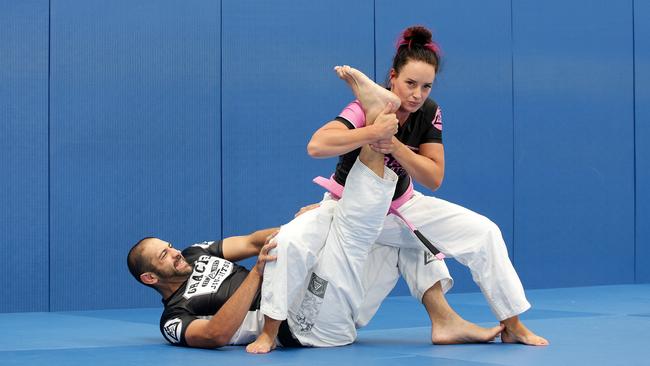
(167, 260)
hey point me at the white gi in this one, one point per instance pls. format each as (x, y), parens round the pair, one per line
(459, 233)
(470, 238)
(329, 277)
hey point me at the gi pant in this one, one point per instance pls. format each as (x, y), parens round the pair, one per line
(330, 277)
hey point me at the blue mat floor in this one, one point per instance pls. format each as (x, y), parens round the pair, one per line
(605, 325)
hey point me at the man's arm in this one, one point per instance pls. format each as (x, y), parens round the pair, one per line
(236, 248)
(219, 330)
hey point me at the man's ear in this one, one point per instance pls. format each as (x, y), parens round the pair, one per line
(149, 278)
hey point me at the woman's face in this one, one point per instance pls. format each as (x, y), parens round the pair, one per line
(413, 84)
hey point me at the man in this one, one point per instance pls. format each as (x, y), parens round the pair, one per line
(323, 308)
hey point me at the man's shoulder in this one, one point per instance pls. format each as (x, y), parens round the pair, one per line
(211, 248)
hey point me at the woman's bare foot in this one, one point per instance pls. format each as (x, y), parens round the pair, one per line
(263, 344)
(516, 332)
(447, 327)
(373, 97)
(459, 331)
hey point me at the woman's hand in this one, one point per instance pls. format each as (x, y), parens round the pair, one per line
(385, 125)
(387, 146)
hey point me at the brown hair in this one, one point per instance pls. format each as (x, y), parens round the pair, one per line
(415, 44)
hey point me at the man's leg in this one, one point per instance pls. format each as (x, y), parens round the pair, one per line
(335, 290)
(265, 341)
(373, 97)
(299, 243)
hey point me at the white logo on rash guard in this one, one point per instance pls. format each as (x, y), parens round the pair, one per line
(172, 330)
(437, 120)
(205, 245)
(209, 272)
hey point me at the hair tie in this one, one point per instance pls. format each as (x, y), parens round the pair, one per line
(433, 47)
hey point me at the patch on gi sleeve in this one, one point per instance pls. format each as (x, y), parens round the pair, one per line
(317, 285)
(428, 257)
(172, 330)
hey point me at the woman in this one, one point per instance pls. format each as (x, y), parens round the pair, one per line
(416, 152)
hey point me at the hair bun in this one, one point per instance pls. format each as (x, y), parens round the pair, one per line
(415, 44)
(415, 35)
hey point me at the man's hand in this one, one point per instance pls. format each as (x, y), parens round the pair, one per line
(307, 208)
(264, 255)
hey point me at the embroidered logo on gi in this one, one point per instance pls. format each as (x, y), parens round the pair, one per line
(317, 285)
(428, 258)
(172, 330)
(302, 321)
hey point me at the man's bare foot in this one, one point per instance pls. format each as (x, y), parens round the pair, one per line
(516, 332)
(373, 97)
(263, 344)
(459, 331)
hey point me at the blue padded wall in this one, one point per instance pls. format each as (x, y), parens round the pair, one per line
(573, 118)
(135, 140)
(542, 130)
(279, 87)
(23, 156)
(642, 108)
(473, 89)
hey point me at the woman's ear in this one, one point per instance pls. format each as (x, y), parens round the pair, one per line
(391, 77)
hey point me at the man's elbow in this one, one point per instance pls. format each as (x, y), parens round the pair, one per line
(208, 340)
(214, 341)
(221, 341)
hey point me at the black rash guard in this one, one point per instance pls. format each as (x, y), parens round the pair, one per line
(422, 126)
(212, 282)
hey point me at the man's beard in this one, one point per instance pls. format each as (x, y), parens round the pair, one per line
(170, 273)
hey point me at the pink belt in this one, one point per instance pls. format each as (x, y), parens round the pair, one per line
(336, 190)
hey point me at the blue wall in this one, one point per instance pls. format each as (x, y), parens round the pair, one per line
(135, 137)
(24, 245)
(642, 111)
(278, 88)
(574, 134)
(124, 119)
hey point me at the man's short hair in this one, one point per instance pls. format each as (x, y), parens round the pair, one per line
(137, 263)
